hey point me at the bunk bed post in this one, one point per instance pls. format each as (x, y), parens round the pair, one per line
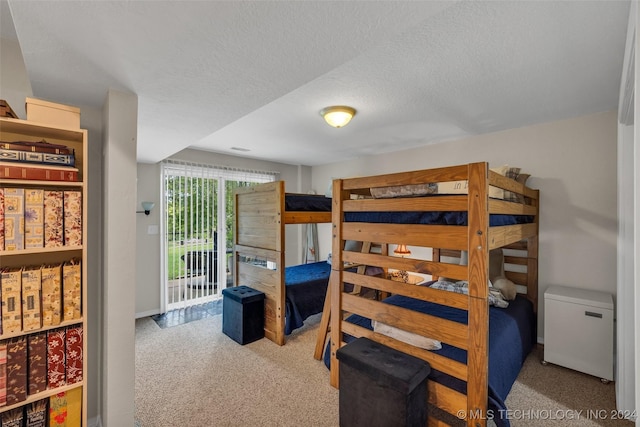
(323, 330)
(335, 280)
(280, 264)
(478, 338)
(532, 258)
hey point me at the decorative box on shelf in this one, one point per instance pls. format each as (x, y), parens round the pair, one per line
(52, 113)
(6, 110)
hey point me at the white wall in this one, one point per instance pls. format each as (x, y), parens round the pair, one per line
(572, 162)
(91, 119)
(149, 274)
(118, 338)
(626, 365)
(14, 82)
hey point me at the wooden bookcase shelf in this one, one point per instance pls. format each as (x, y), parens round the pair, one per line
(76, 139)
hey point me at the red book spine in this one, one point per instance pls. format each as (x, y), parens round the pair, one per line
(56, 370)
(74, 354)
(42, 174)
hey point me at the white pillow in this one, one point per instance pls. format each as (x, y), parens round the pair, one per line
(406, 337)
(329, 192)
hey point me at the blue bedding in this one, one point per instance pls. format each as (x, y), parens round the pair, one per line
(306, 287)
(435, 218)
(512, 334)
(307, 202)
(319, 203)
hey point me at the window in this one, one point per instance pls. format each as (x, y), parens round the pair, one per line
(198, 228)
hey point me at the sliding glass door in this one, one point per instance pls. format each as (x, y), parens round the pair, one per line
(198, 230)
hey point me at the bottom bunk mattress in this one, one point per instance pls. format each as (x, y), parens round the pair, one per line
(512, 335)
(305, 290)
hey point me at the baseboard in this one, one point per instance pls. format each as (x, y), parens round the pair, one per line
(147, 313)
(94, 422)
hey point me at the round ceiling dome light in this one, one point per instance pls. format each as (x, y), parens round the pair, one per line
(338, 115)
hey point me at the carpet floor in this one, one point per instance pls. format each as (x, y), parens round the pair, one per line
(192, 374)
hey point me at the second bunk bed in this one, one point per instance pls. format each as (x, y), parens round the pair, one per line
(293, 293)
(481, 347)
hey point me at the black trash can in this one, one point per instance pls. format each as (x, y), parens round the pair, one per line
(380, 386)
(243, 314)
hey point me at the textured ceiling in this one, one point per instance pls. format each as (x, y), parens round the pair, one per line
(215, 75)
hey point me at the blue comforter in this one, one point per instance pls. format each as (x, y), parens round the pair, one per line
(432, 217)
(307, 202)
(512, 334)
(306, 287)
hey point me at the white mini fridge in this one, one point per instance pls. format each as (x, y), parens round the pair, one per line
(578, 330)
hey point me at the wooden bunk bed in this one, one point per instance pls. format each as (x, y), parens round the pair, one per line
(261, 213)
(462, 383)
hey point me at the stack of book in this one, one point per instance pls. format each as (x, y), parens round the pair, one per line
(31, 364)
(40, 296)
(40, 160)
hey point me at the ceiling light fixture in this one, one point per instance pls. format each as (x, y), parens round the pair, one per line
(338, 115)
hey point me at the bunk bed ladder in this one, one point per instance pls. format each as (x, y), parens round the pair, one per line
(323, 331)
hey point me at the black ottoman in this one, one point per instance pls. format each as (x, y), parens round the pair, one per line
(243, 314)
(380, 386)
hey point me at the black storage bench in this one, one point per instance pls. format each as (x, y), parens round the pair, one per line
(243, 314)
(380, 386)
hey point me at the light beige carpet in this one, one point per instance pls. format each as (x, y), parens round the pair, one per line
(194, 375)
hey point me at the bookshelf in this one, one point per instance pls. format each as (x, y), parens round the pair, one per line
(23, 130)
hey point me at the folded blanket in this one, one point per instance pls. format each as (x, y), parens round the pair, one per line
(462, 287)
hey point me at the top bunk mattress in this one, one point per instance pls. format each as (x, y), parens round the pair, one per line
(433, 218)
(307, 203)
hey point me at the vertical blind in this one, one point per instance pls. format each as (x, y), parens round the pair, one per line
(197, 226)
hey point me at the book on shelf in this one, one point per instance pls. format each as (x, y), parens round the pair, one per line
(32, 171)
(31, 289)
(71, 290)
(56, 358)
(72, 217)
(33, 218)
(36, 413)
(58, 410)
(74, 407)
(13, 219)
(3, 373)
(11, 288)
(36, 147)
(51, 294)
(1, 219)
(13, 418)
(73, 352)
(53, 219)
(37, 157)
(16, 370)
(37, 360)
